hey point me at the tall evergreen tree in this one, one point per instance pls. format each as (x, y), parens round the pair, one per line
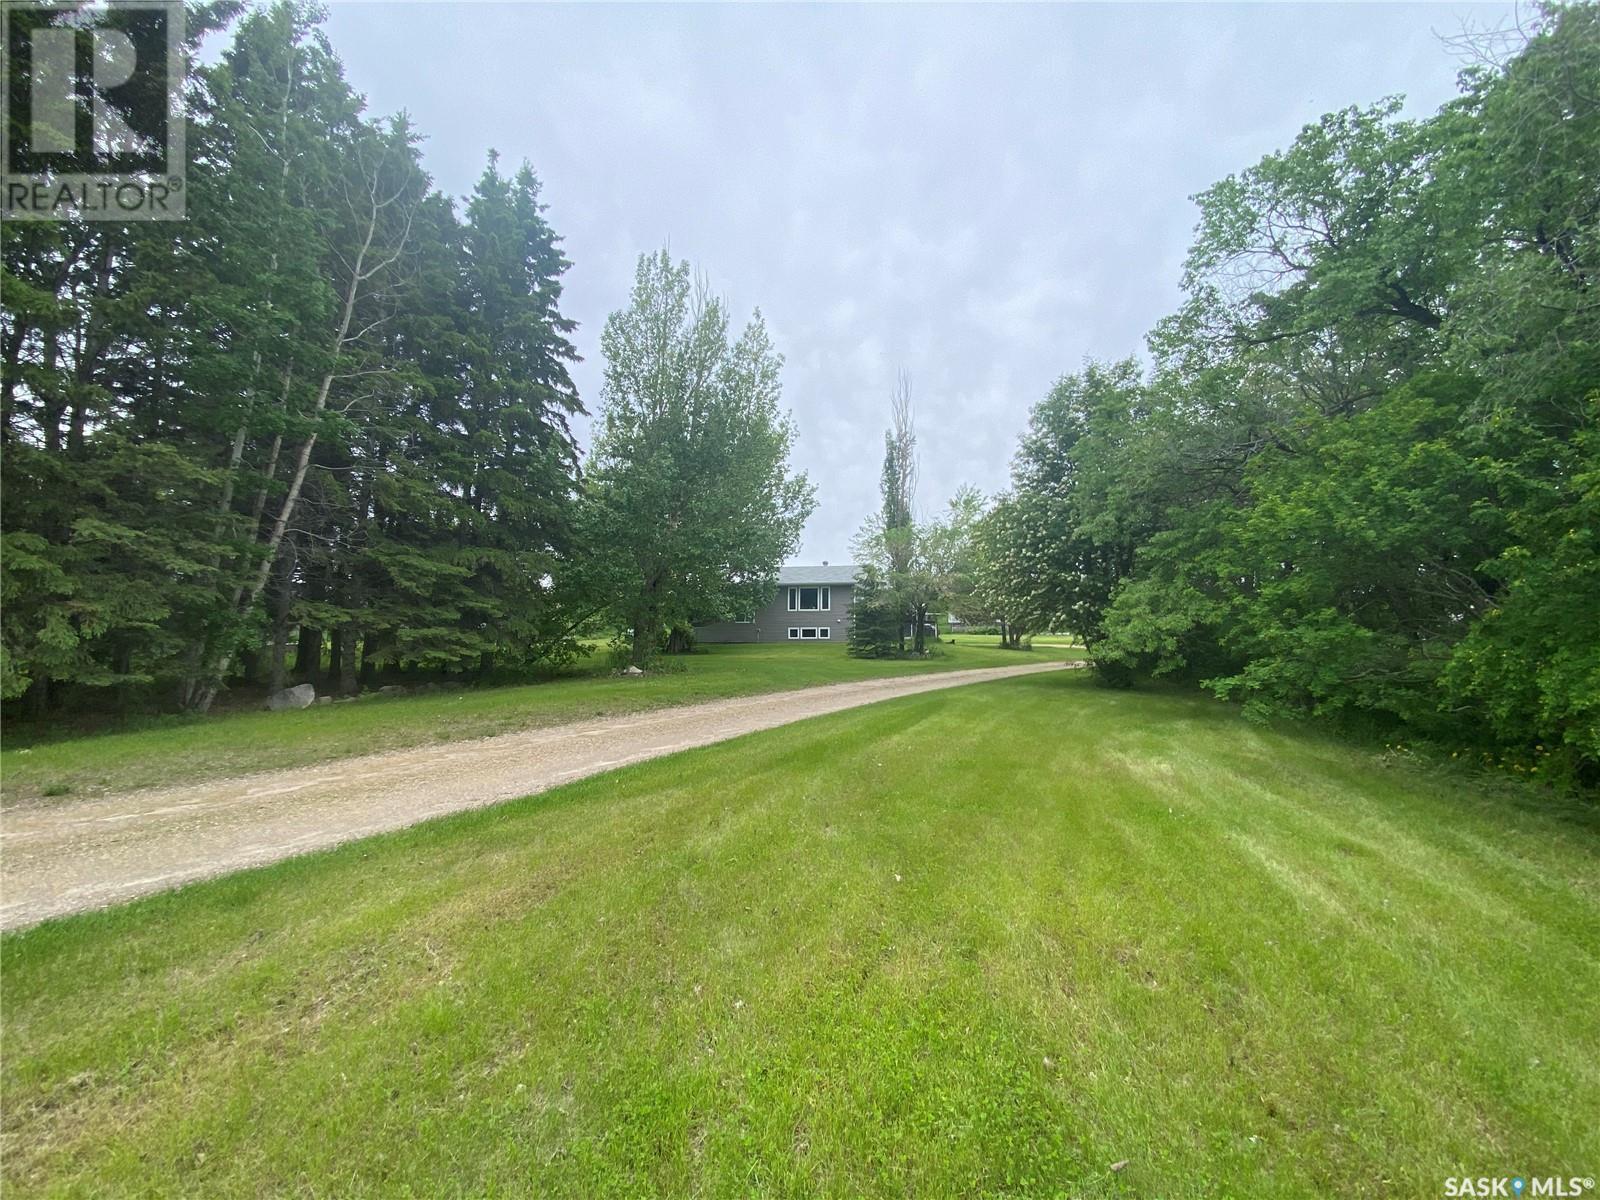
(327, 402)
(875, 624)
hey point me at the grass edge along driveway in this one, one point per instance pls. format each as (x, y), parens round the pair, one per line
(989, 941)
(186, 749)
(71, 855)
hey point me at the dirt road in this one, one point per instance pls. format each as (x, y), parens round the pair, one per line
(64, 856)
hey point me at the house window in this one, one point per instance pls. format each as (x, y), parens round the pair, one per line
(823, 633)
(806, 633)
(808, 599)
(794, 634)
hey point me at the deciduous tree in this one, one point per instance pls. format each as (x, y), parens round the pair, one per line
(691, 503)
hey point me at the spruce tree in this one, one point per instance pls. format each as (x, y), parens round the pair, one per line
(875, 626)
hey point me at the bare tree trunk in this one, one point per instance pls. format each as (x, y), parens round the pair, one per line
(283, 599)
(278, 670)
(91, 348)
(192, 686)
(260, 504)
(370, 644)
(236, 453)
(53, 407)
(643, 640)
(335, 653)
(37, 698)
(347, 662)
(308, 654)
(646, 622)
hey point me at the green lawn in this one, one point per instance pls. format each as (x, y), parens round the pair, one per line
(982, 942)
(1057, 641)
(182, 749)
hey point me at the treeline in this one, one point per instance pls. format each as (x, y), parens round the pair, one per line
(320, 429)
(1362, 475)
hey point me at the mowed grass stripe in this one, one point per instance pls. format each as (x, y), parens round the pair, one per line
(986, 941)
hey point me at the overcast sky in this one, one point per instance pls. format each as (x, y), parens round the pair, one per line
(983, 196)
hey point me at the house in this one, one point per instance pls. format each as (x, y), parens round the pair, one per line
(812, 604)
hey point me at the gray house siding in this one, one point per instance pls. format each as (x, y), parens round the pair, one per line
(775, 619)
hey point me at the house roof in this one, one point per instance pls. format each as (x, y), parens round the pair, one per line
(808, 574)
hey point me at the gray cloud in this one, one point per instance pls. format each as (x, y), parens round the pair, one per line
(980, 195)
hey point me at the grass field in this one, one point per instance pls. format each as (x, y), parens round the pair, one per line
(994, 941)
(185, 749)
(1058, 641)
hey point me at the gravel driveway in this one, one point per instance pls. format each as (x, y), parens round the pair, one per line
(65, 856)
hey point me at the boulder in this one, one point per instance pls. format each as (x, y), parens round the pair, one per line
(632, 671)
(324, 699)
(393, 689)
(302, 695)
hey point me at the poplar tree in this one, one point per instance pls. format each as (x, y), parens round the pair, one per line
(691, 503)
